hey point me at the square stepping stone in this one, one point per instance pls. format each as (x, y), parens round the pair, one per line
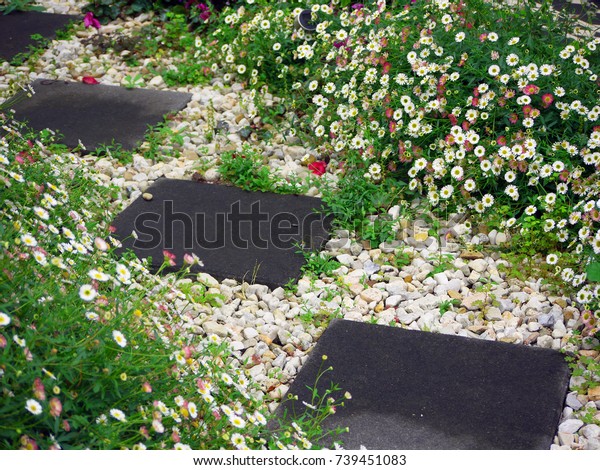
(248, 236)
(585, 11)
(96, 114)
(419, 390)
(17, 28)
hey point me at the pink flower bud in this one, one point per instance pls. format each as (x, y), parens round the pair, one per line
(100, 244)
(55, 407)
(38, 389)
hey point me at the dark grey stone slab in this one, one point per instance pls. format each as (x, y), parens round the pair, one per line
(237, 234)
(418, 390)
(96, 114)
(588, 12)
(17, 28)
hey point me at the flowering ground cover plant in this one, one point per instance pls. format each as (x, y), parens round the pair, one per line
(95, 352)
(474, 107)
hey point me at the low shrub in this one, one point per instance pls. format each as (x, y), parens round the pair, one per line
(95, 351)
(477, 107)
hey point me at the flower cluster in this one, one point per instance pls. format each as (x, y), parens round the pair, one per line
(460, 105)
(95, 351)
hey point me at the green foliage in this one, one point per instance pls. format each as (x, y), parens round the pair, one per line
(355, 201)
(249, 170)
(92, 354)
(478, 108)
(9, 6)
(161, 141)
(400, 259)
(189, 73)
(447, 305)
(318, 264)
(589, 369)
(378, 231)
(114, 150)
(593, 272)
(112, 9)
(442, 262)
(308, 420)
(133, 81)
(318, 317)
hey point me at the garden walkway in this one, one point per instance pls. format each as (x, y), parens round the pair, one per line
(410, 390)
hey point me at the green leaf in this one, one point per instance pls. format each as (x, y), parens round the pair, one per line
(593, 272)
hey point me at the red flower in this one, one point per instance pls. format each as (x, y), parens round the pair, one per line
(27, 443)
(90, 21)
(547, 100)
(318, 168)
(187, 351)
(89, 80)
(144, 432)
(531, 89)
(169, 257)
(38, 389)
(55, 407)
(204, 12)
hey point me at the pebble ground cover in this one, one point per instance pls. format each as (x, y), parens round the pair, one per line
(456, 143)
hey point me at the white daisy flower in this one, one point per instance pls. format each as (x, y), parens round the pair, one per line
(118, 415)
(119, 338)
(530, 210)
(33, 406)
(41, 213)
(87, 293)
(40, 258)
(4, 319)
(237, 439)
(92, 316)
(28, 240)
(446, 191)
(98, 275)
(193, 409)
(237, 422)
(487, 200)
